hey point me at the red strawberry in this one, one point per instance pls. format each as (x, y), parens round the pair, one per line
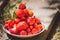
(11, 25)
(30, 20)
(31, 27)
(30, 13)
(23, 19)
(34, 31)
(13, 30)
(16, 20)
(6, 26)
(22, 6)
(20, 13)
(30, 33)
(39, 27)
(22, 25)
(13, 22)
(23, 32)
(26, 12)
(8, 21)
(37, 20)
(35, 25)
(28, 29)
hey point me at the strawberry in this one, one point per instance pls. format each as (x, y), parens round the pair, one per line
(11, 25)
(39, 27)
(37, 20)
(29, 33)
(20, 13)
(6, 26)
(22, 6)
(28, 30)
(22, 25)
(26, 12)
(35, 25)
(34, 31)
(13, 30)
(31, 27)
(30, 20)
(16, 20)
(30, 13)
(23, 32)
(8, 21)
(23, 19)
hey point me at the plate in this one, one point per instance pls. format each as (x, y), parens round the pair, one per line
(24, 36)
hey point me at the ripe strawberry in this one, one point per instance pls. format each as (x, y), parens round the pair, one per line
(39, 27)
(23, 19)
(31, 27)
(30, 20)
(13, 30)
(13, 22)
(20, 13)
(6, 26)
(8, 21)
(22, 25)
(37, 20)
(22, 32)
(30, 13)
(35, 25)
(22, 6)
(16, 20)
(26, 12)
(34, 30)
(11, 25)
(28, 30)
(30, 33)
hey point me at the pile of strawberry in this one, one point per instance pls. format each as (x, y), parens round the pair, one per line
(25, 23)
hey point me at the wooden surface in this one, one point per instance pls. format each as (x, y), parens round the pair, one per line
(54, 28)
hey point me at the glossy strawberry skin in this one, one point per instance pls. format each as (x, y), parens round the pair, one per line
(8, 21)
(22, 32)
(28, 30)
(16, 20)
(35, 25)
(23, 19)
(13, 30)
(8, 24)
(30, 13)
(34, 31)
(30, 20)
(22, 6)
(39, 27)
(31, 27)
(37, 20)
(26, 12)
(29, 33)
(22, 25)
(20, 13)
